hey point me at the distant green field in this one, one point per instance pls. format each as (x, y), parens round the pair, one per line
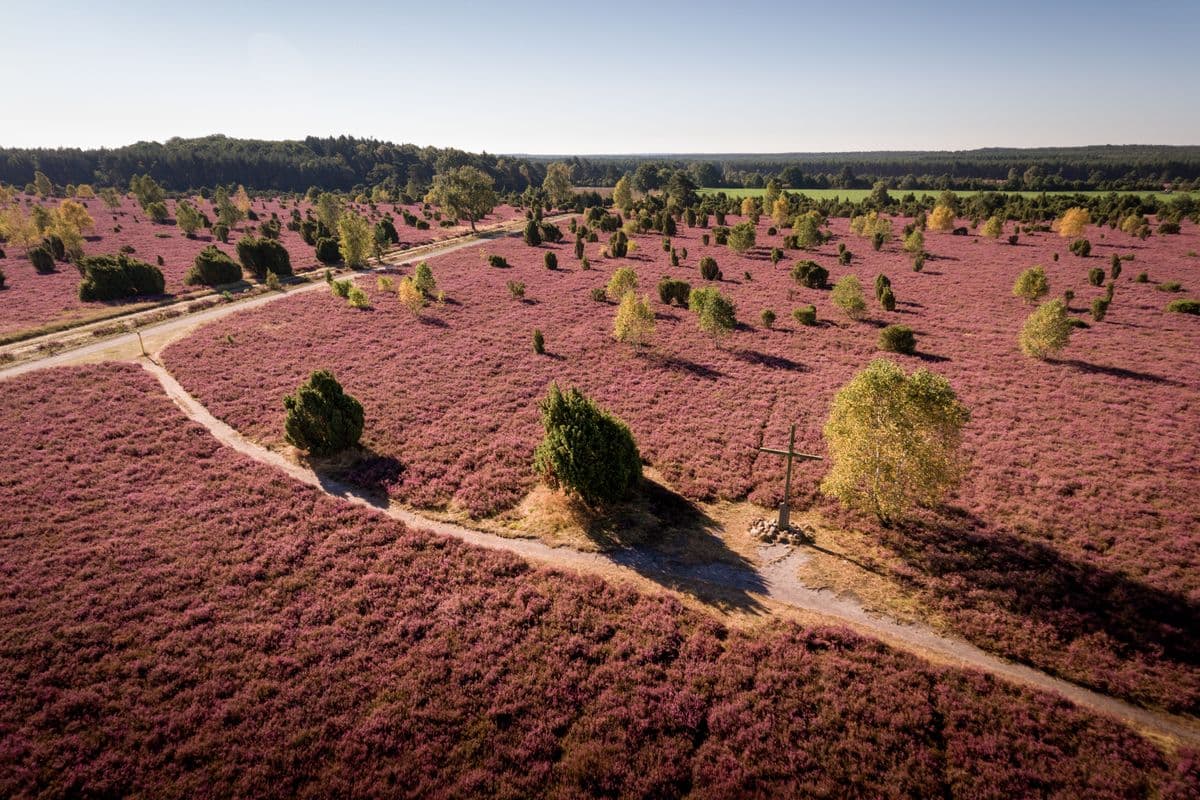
(855, 195)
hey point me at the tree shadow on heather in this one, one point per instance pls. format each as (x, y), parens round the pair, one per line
(1116, 372)
(680, 364)
(972, 569)
(668, 539)
(770, 361)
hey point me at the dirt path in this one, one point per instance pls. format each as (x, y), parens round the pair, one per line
(776, 581)
(154, 336)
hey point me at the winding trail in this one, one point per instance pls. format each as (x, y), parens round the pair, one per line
(775, 581)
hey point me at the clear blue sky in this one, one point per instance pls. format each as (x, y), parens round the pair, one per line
(608, 76)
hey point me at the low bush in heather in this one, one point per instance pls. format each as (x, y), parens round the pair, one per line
(672, 290)
(213, 267)
(260, 255)
(320, 417)
(898, 339)
(586, 451)
(117, 277)
(810, 274)
(1184, 306)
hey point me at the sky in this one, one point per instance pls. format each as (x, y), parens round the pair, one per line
(606, 77)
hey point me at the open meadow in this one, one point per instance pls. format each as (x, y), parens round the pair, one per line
(275, 642)
(1071, 544)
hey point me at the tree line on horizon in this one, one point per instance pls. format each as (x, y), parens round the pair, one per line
(347, 163)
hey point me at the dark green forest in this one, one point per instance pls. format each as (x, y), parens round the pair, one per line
(347, 163)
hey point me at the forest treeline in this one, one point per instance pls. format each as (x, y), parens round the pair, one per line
(347, 163)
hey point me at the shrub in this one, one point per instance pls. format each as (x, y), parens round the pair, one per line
(340, 288)
(1168, 227)
(385, 232)
(618, 245)
(1081, 248)
(898, 339)
(423, 279)
(599, 295)
(1184, 306)
(768, 318)
(1073, 222)
(1047, 330)
(357, 298)
(675, 291)
(1115, 267)
(261, 255)
(634, 320)
(1068, 296)
(805, 315)
(887, 299)
(709, 270)
(919, 262)
(157, 212)
(55, 245)
(1142, 277)
(3, 277)
(321, 418)
(941, 218)
(550, 260)
(742, 236)
(385, 283)
(1031, 284)
(42, 259)
(213, 267)
(1100, 308)
(1014, 239)
(881, 282)
(994, 228)
(516, 289)
(776, 255)
(496, 260)
(806, 231)
(221, 232)
(847, 295)
(1167, 286)
(410, 295)
(717, 314)
(913, 243)
(1095, 276)
(810, 274)
(585, 450)
(913, 459)
(844, 256)
(578, 247)
(877, 241)
(622, 281)
(532, 233)
(328, 251)
(117, 277)
(539, 342)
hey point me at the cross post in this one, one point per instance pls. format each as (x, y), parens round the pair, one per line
(790, 454)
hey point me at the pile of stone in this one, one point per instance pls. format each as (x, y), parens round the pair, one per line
(767, 530)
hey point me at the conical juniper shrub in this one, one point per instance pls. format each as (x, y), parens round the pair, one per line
(321, 417)
(586, 451)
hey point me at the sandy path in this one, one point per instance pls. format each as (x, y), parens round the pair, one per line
(776, 581)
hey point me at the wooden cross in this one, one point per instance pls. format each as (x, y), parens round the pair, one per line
(790, 453)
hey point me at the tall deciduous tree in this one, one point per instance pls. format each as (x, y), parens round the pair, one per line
(465, 193)
(623, 193)
(557, 185)
(354, 238)
(894, 440)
